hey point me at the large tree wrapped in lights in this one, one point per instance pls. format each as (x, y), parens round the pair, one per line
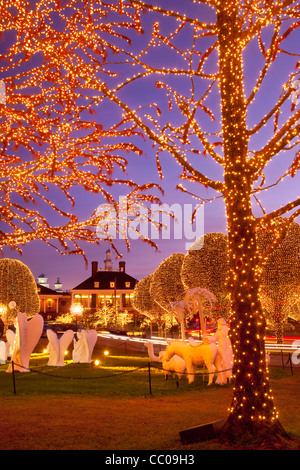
(189, 60)
(206, 265)
(53, 145)
(281, 272)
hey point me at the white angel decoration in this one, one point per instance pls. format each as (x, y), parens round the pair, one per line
(225, 347)
(57, 347)
(3, 354)
(28, 333)
(10, 343)
(83, 347)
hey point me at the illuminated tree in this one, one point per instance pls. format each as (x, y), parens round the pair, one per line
(166, 286)
(145, 304)
(53, 143)
(203, 108)
(206, 265)
(108, 316)
(18, 286)
(281, 273)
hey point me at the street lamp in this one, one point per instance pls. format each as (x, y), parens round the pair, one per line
(76, 309)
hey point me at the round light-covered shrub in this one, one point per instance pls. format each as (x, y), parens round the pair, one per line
(17, 285)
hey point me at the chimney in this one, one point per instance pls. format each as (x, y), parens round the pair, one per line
(94, 267)
(122, 266)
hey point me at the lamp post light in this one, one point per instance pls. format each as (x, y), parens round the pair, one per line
(76, 309)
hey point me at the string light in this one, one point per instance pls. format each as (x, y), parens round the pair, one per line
(235, 26)
(280, 270)
(51, 140)
(207, 267)
(166, 285)
(109, 48)
(18, 290)
(147, 305)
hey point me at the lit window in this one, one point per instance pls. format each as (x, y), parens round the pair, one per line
(96, 285)
(127, 284)
(112, 285)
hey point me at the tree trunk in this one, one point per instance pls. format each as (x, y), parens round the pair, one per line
(279, 332)
(252, 410)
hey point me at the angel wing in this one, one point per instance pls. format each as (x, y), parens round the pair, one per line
(64, 343)
(33, 331)
(27, 336)
(3, 354)
(53, 348)
(10, 336)
(91, 337)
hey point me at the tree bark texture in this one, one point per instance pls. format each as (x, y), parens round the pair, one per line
(252, 406)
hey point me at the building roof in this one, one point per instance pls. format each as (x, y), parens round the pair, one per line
(105, 278)
(43, 290)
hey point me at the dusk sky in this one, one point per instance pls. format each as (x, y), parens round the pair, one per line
(142, 259)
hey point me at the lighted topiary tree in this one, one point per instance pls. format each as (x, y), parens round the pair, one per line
(206, 265)
(166, 286)
(281, 271)
(144, 303)
(18, 285)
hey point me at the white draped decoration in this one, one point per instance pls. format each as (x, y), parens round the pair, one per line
(28, 333)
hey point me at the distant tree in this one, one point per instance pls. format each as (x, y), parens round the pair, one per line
(108, 316)
(281, 272)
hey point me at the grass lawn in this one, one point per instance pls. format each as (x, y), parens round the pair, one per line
(110, 407)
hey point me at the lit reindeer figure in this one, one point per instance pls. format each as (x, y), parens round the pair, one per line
(205, 353)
